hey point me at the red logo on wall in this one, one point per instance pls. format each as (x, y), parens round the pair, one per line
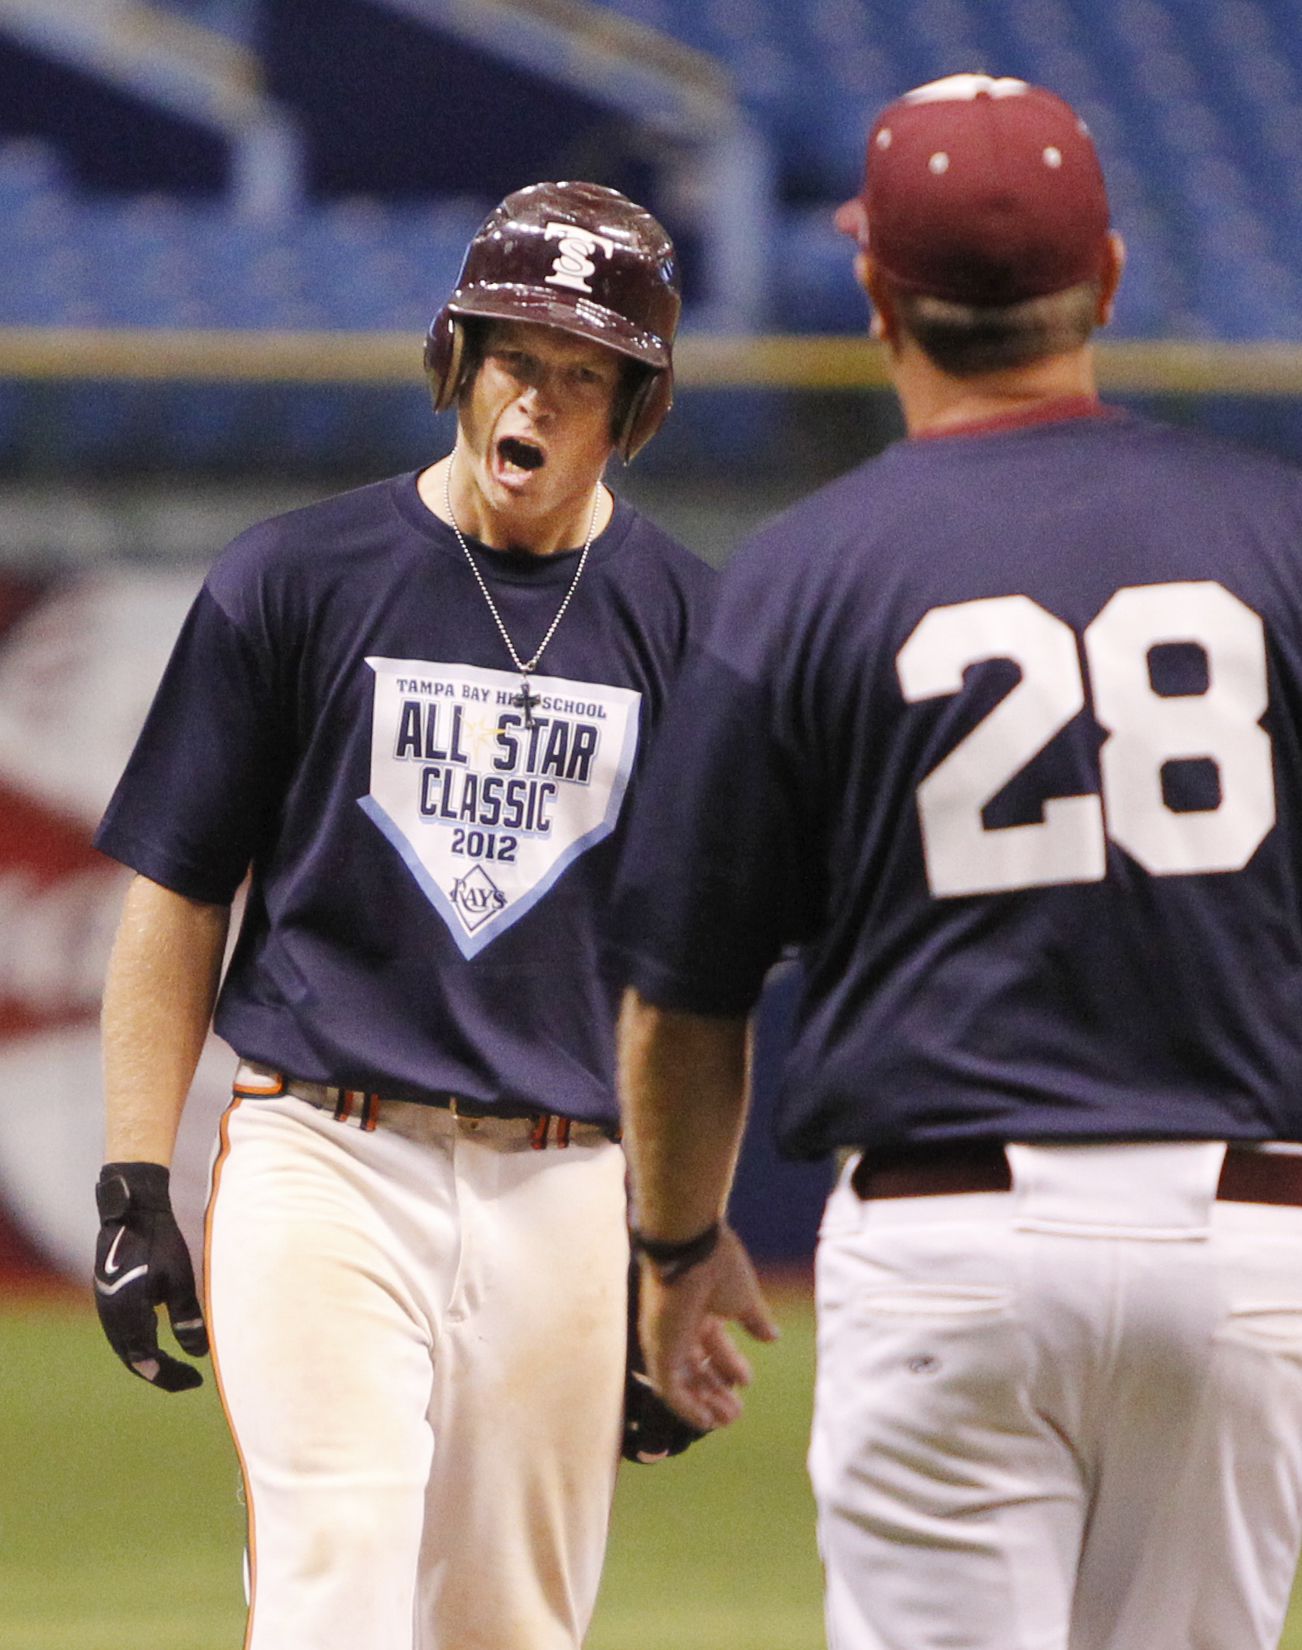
(79, 660)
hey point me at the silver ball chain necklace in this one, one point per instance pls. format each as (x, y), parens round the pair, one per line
(525, 666)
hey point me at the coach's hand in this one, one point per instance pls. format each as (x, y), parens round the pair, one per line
(141, 1263)
(690, 1356)
(652, 1431)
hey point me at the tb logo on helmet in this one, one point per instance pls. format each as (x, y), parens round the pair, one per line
(611, 276)
(574, 265)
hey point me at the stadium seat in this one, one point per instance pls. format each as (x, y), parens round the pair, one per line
(1194, 110)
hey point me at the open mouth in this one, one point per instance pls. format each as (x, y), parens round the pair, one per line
(522, 455)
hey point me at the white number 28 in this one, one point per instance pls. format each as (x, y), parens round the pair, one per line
(1144, 729)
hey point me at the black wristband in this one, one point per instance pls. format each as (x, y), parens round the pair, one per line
(671, 1258)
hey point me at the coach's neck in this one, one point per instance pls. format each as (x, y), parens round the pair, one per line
(933, 400)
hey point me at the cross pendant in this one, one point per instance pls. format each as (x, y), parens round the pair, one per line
(527, 700)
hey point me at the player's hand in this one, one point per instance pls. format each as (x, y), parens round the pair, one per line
(691, 1358)
(141, 1263)
(652, 1431)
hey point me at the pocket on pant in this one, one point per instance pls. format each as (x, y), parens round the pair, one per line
(923, 1396)
(962, 1344)
(933, 1301)
(1270, 1326)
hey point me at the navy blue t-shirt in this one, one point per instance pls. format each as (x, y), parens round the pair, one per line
(431, 870)
(1003, 729)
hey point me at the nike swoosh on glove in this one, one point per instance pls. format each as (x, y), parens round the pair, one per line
(142, 1263)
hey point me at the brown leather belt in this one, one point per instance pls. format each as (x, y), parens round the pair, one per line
(367, 1112)
(1247, 1175)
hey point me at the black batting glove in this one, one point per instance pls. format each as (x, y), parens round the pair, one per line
(141, 1263)
(652, 1431)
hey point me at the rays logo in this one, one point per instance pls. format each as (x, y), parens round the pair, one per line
(574, 265)
(476, 897)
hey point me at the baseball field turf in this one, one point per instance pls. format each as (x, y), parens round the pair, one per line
(120, 1522)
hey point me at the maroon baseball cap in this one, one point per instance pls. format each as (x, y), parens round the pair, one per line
(981, 191)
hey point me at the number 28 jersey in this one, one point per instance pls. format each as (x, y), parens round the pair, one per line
(1004, 730)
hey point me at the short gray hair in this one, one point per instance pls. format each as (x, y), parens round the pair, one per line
(966, 339)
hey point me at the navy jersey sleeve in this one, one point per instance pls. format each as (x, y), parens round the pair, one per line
(720, 872)
(193, 807)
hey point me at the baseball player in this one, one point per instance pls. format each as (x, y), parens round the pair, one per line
(413, 712)
(1004, 729)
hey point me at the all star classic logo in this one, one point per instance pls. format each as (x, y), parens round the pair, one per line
(486, 809)
(574, 265)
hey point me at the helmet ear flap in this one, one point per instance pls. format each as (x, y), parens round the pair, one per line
(445, 346)
(644, 414)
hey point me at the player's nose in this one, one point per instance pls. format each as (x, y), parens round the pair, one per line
(539, 395)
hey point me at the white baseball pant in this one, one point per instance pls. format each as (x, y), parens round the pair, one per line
(419, 1340)
(1064, 1417)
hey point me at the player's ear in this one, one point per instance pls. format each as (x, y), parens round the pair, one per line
(1113, 265)
(883, 325)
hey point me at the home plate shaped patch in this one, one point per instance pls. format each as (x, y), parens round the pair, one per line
(486, 804)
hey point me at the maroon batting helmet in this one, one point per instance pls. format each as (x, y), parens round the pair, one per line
(582, 258)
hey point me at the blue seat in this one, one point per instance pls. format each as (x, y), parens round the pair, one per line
(1194, 109)
(236, 18)
(818, 290)
(30, 170)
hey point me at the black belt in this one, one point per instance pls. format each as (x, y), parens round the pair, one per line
(1247, 1175)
